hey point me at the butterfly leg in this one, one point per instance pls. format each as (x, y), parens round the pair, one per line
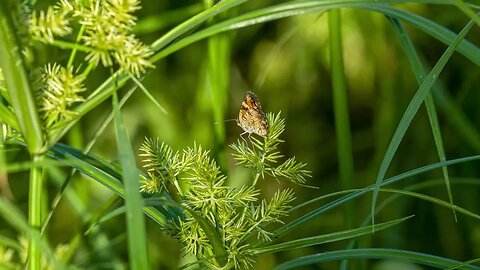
(243, 137)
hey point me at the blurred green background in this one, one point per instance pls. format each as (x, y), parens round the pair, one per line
(286, 63)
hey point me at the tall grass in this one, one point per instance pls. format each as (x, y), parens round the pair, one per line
(200, 68)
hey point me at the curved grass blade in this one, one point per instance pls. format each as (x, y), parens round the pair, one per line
(194, 22)
(327, 238)
(292, 225)
(422, 185)
(159, 21)
(463, 264)
(411, 110)
(432, 200)
(147, 93)
(439, 32)
(373, 253)
(421, 73)
(291, 9)
(467, 10)
(106, 175)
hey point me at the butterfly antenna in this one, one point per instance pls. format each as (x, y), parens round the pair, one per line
(216, 123)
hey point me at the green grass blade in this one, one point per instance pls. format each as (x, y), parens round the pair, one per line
(439, 32)
(411, 110)
(162, 20)
(108, 119)
(410, 192)
(421, 73)
(467, 10)
(373, 253)
(18, 84)
(463, 264)
(218, 73)
(194, 22)
(340, 106)
(103, 173)
(432, 200)
(327, 238)
(314, 213)
(147, 93)
(292, 9)
(137, 242)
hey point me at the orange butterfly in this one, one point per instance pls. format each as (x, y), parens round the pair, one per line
(251, 117)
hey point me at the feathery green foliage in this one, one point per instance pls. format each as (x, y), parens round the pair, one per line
(262, 156)
(236, 213)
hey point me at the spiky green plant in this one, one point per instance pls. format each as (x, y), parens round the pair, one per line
(238, 215)
(60, 88)
(105, 36)
(106, 31)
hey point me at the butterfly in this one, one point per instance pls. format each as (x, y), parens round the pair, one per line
(251, 117)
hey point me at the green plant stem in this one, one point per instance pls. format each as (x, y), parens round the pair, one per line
(262, 161)
(340, 103)
(74, 50)
(65, 44)
(17, 82)
(35, 210)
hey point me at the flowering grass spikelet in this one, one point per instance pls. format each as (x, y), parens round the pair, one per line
(52, 22)
(107, 27)
(61, 88)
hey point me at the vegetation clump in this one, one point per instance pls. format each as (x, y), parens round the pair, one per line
(221, 222)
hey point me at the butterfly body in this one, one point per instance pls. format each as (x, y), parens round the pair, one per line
(251, 117)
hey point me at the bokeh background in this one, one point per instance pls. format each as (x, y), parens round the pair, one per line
(286, 63)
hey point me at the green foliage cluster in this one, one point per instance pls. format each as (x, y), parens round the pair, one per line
(237, 215)
(59, 89)
(263, 155)
(43, 98)
(104, 31)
